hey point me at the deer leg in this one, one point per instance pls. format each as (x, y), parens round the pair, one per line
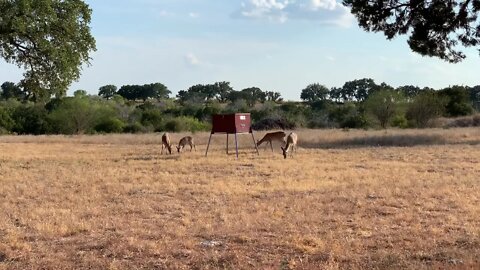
(271, 146)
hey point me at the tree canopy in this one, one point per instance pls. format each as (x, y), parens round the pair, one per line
(435, 27)
(50, 39)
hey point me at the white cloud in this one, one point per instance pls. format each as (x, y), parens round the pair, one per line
(192, 59)
(323, 11)
(193, 15)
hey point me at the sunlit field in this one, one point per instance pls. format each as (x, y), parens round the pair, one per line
(391, 199)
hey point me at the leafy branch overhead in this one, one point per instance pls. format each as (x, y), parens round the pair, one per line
(50, 39)
(435, 27)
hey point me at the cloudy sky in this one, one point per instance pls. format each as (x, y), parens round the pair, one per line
(277, 45)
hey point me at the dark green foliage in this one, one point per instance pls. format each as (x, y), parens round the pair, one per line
(110, 125)
(11, 90)
(435, 28)
(252, 95)
(347, 116)
(30, 119)
(6, 121)
(409, 91)
(133, 128)
(458, 101)
(273, 96)
(219, 91)
(50, 39)
(475, 97)
(152, 117)
(356, 90)
(107, 91)
(314, 92)
(143, 92)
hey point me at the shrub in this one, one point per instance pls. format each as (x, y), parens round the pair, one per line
(30, 119)
(110, 125)
(134, 128)
(152, 117)
(6, 121)
(347, 116)
(383, 105)
(400, 121)
(184, 123)
(273, 123)
(425, 107)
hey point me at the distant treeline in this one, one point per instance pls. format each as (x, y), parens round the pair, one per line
(150, 108)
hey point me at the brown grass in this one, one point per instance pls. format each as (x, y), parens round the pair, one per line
(348, 199)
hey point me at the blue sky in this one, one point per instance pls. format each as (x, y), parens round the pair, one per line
(277, 45)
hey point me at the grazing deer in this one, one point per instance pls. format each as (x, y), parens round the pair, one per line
(184, 141)
(166, 143)
(272, 136)
(291, 142)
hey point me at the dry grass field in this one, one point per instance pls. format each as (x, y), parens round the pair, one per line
(406, 199)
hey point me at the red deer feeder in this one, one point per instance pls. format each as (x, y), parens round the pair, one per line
(237, 123)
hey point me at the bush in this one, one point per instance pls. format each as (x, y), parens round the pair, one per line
(383, 105)
(152, 117)
(354, 121)
(184, 123)
(6, 121)
(110, 125)
(425, 107)
(273, 123)
(347, 116)
(400, 121)
(30, 119)
(134, 128)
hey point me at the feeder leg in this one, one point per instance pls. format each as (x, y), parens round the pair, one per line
(236, 144)
(227, 143)
(254, 143)
(208, 145)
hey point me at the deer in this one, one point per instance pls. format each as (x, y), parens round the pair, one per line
(184, 141)
(291, 143)
(272, 136)
(166, 143)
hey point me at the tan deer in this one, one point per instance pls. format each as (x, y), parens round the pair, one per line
(272, 136)
(291, 143)
(184, 141)
(166, 143)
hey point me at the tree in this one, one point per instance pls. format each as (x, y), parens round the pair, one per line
(11, 90)
(252, 95)
(357, 90)
(75, 115)
(273, 96)
(458, 101)
(384, 105)
(409, 91)
(80, 93)
(314, 92)
(50, 39)
(475, 96)
(222, 90)
(107, 91)
(427, 105)
(435, 28)
(154, 90)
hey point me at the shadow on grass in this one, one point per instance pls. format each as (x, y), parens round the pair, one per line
(405, 140)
